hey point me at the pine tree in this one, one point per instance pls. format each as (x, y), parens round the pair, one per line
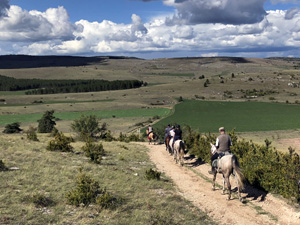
(46, 123)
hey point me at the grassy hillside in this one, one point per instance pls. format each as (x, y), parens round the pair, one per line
(208, 116)
(52, 174)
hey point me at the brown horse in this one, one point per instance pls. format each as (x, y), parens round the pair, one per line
(228, 165)
(167, 141)
(152, 137)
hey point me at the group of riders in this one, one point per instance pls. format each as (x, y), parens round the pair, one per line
(222, 146)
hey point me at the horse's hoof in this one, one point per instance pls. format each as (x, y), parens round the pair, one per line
(227, 199)
(213, 188)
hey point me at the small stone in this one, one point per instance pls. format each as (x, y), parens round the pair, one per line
(14, 168)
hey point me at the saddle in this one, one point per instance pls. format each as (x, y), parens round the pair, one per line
(216, 161)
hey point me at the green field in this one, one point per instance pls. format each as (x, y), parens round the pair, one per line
(206, 116)
(28, 118)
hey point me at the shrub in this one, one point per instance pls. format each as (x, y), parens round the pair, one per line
(54, 132)
(271, 98)
(12, 128)
(93, 151)
(131, 138)
(85, 192)
(88, 191)
(47, 122)
(88, 126)
(40, 200)
(263, 166)
(152, 174)
(2, 166)
(106, 200)
(60, 143)
(31, 134)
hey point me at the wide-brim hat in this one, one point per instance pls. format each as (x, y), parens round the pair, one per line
(221, 129)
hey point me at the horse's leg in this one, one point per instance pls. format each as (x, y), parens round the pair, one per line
(214, 181)
(223, 192)
(228, 186)
(181, 156)
(238, 186)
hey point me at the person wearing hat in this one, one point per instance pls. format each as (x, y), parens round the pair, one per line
(149, 131)
(172, 132)
(223, 144)
(177, 134)
(167, 131)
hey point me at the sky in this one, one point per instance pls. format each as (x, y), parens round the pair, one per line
(151, 28)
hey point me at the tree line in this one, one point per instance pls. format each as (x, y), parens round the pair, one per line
(39, 86)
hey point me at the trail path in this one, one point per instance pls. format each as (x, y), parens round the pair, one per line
(193, 182)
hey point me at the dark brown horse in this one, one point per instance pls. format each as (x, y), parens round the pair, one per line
(167, 141)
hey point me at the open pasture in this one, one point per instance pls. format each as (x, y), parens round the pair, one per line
(208, 116)
(52, 175)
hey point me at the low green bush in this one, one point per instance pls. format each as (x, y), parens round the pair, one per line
(93, 151)
(60, 143)
(263, 166)
(87, 191)
(152, 174)
(12, 128)
(130, 138)
(40, 200)
(31, 134)
(2, 166)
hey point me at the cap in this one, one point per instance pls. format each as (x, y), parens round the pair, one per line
(178, 126)
(221, 129)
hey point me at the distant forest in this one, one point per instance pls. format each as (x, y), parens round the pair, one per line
(38, 86)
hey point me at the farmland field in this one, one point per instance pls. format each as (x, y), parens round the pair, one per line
(208, 116)
(27, 118)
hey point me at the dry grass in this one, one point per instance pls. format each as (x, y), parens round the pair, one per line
(47, 176)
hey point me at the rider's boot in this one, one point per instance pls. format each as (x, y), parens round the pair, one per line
(212, 171)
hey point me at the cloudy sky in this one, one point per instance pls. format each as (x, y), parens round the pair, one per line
(151, 28)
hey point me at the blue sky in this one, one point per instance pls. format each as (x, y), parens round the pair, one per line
(151, 28)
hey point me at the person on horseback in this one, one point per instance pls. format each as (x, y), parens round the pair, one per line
(177, 134)
(149, 131)
(172, 132)
(223, 144)
(167, 132)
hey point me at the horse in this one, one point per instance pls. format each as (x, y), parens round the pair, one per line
(228, 165)
(167, 142)
(152, 137)
(178, 150)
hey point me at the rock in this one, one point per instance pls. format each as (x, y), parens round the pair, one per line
(13, 168)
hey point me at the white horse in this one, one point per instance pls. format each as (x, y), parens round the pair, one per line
(228, 165)
(178, 150)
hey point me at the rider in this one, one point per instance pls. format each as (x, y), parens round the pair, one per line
(172, 133)
(223, 144)
(178, 134)
(167, 131)
(150, 130)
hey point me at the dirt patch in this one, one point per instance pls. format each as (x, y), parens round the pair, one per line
(293, 142)
(194, 183)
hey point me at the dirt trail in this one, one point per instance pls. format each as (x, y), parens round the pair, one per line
(193, 182)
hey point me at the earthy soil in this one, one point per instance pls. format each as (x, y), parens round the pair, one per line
(194, 183)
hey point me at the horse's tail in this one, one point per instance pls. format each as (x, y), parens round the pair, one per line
(237, 172)
(181, 147)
